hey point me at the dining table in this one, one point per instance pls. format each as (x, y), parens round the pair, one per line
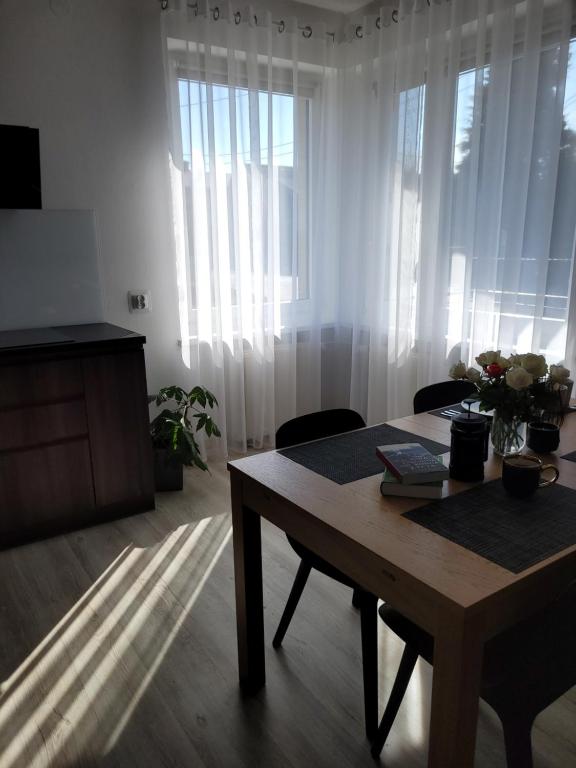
(435, 579)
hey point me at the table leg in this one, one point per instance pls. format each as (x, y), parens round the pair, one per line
(369, 625)
(248, 581)
(458, 651)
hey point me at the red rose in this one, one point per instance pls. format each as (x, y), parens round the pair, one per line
(494, 370)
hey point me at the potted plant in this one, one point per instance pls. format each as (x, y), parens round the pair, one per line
(173, 433)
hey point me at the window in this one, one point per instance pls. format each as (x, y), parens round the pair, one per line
(519, 290)
(258, 143)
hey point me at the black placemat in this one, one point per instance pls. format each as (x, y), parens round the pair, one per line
(441, 411)
(352, 456)
(514, 533)
(569, 456)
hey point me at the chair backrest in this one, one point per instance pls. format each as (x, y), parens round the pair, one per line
(445, 393)
(314, 426)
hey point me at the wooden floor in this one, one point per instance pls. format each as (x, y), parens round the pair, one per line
(117, 648)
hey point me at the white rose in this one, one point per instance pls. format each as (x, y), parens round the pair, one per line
(516, 359)
(473, 375)
(559, 374)
(458, 371)
(518, 378)
(487, 358)
(535, 364)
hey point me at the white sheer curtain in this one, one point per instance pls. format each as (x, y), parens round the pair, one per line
(353, 215)
(245, 124)
(459, 190)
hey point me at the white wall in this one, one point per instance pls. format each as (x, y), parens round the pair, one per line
(88, 74)
(91, 81)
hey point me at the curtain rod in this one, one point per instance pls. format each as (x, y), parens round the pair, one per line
(281, 25)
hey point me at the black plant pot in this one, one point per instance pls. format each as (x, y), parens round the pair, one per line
(168, 474)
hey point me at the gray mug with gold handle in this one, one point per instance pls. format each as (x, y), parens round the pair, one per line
(522, 475)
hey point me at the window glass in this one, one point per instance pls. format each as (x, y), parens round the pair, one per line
(523, 287)
(229, 129)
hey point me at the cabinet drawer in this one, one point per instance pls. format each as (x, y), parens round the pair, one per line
(45, 485)
(40, 382)
(41, 424)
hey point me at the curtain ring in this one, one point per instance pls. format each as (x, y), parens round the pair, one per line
(395, 16)
(216, 13)
(378, 23)
(307, 31)
(359, 31)
(281, 26)
(237, 17)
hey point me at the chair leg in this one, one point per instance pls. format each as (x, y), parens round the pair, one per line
(407, 664)
(369, 629)
(295, 594)
(356, 598)
(518, 741)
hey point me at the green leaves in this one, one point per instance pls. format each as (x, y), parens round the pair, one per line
(170, 393)
(172, 429)
(202, 396)
(198, 394)
(194, 451)
(525, 404)
(211, 428)
(207, 423)
(211, 399)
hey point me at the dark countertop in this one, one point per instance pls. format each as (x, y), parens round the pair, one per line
(66, 337)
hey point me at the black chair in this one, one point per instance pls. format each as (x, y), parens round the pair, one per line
(303, 429)
(525, 669)
(440, 395)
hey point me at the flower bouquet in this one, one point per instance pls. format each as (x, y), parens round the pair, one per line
(518, 389)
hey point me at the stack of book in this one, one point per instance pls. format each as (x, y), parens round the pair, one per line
(411, 470)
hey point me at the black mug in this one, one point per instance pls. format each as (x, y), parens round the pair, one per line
(543, 436)
(521, 475)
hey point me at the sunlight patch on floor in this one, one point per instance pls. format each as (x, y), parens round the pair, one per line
(412, 718)
(220, 544)
(88, 675)
(73, 617)
(413, 702)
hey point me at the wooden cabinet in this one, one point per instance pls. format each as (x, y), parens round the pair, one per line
(115, 387)
(45, 489)
(74, 442)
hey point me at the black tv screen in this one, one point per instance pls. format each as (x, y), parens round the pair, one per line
(20, 167)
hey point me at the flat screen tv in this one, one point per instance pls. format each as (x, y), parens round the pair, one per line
(20, 167)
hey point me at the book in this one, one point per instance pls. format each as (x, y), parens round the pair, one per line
(391, 486)
(412, 463)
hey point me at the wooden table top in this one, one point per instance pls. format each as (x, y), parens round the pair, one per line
(373, 530)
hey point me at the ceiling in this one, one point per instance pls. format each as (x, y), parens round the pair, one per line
(339, 6)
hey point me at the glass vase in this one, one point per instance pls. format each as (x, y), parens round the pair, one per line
(508, 435)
